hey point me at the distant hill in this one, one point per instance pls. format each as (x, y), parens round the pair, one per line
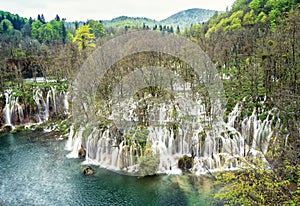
(185, 18)
(123, 21)
(182, 19)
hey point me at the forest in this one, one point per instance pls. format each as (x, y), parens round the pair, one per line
(255, 46)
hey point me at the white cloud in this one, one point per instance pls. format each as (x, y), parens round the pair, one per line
(108, 9)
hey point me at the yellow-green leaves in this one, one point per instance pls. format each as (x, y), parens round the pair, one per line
(255, 185)
(83, 38)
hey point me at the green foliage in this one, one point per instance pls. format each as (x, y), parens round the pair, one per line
(247, 12)
(262, 17)
(97, 28)
(249, 18)
(138, 136)
(6, 26)
(34, 29)
(235, 24)
(49, 32)
(149, 162)
(240, 5)
(46, 33)
(274, 13)
(257, 5)
(88, 130)
(256, 184)
(17, 21)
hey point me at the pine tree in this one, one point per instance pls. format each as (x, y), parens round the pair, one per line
(41, 18)
(57, 18)
(64, 32)
(177, 30)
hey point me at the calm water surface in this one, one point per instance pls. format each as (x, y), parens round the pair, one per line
(34, 170)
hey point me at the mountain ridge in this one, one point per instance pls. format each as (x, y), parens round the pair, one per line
(183, 19)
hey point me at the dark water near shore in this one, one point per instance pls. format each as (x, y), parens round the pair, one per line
(34, 170)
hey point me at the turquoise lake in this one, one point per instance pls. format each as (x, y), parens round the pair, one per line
(35, 171)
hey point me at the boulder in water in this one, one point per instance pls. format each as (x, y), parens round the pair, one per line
(7, 128)
(88, 171)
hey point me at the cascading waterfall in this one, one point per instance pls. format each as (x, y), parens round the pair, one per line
(53, 91)
(16, 112)
(53, 103)
(43, 107)
(173, 129)
(12, 109)
(7, 108)
(65, 101)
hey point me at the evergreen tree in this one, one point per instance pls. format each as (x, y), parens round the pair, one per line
(160, 28)
(57, 18)
(41, 18)
(30, 21)
(177, 30)
(64, 32)
(76, 25)
(26, 30)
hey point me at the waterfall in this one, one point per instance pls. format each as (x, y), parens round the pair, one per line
(7, 108)
(69, 145)
(53, 90)
(171, 129)
(53, 103)
(75, 145)
(12, 109)
(17, 112)
(66, 102)
(43, 107)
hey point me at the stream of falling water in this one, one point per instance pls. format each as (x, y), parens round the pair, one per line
(173, 129)
(16, 112)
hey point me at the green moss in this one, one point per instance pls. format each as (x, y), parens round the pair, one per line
(138, 135)
(149, 163)
(262, 117)
(87, 131)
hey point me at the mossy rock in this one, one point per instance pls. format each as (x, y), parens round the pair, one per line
(81, 152)
(7, 128)
(88, 171)
(19, 129)
(185, 163)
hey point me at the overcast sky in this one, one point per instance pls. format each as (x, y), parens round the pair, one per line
(107, 9)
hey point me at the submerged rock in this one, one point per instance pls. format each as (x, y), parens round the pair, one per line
(88, 171)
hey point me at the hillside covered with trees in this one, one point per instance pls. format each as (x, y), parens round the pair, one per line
(255, 47)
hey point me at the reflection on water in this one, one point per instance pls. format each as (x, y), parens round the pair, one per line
(35, 171)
